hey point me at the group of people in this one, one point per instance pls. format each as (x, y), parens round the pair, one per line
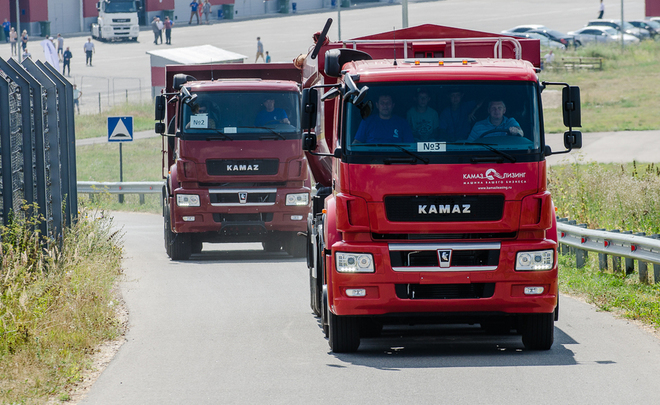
(260, 52)
(11, 36)
(158, 26)
(456, 123)
(197, 9)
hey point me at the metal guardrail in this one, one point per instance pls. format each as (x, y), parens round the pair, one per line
(632, 247)
(127, 187)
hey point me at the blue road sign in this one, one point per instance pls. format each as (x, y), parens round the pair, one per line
(120, 129)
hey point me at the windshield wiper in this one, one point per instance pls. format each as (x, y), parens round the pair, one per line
(222, 136)
(395, 160)
(489, 147)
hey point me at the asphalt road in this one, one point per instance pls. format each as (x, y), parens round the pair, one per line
(233, 326)
(118, 67)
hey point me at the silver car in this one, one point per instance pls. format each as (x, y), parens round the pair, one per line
(628, 28)
(602, 35)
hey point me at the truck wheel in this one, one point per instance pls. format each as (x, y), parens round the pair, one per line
(196, 245)
(271, 245)
(181, 247)
(167, 229)
(538, 331)
(296, 246)
(344, 333)
(316, 286)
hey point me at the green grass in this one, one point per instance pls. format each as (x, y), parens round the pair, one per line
(56, 306)
(96, 125)
(611, 292)
(621, 97)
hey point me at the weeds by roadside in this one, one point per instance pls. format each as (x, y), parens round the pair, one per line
(56, 305)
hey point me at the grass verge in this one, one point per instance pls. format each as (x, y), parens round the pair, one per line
(96, 125)
(56, 306)
(611, 292)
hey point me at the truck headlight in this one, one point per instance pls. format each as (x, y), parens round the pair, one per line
(187, 200)
(535, 260)
(297, 199)
(354, 262)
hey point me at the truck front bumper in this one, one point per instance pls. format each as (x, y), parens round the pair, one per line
(498, 289)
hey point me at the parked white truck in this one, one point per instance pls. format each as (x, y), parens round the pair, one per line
(117, 20)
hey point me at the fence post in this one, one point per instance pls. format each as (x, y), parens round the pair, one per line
(642, 266)
(656, 267)
(602, 257)
(581, 255)
(99, 102)
(141, 199)
(616, 260)
(563, 248)
(629, 263)
(571, 249)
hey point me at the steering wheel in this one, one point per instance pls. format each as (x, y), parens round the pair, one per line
(494, 130)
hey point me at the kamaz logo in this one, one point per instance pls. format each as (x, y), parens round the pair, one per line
(444, 209)
(242, 168)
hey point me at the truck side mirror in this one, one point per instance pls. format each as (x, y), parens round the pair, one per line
(571, 106)
(336, 58)
(180, 79)
(308, 118)
(161, 103)
(572, 139)
(309, 142)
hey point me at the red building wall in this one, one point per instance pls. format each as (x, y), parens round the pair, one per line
(653, 8)
(158, 5)
(4, 11)
(31, 10)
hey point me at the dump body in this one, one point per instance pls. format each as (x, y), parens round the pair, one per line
(234, 171)
(433, 210)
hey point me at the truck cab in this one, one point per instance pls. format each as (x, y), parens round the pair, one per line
(117, 20)
(437, 210)
(235, 169)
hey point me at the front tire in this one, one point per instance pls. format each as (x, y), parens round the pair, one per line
(538, 331)
(343, 334)
(296, 246)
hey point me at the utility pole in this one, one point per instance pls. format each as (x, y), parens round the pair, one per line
(404, 13)
(19, 40)
(622, 29)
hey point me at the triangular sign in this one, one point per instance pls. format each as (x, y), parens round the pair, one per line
(120, 131)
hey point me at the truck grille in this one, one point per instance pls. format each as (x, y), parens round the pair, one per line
(249, 167)
(444, 291)
(449, 257)
(260, 217)
(448, 208)
(242, 197)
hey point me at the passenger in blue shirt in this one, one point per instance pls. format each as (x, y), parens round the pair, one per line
(496, 124)
(384, 127)
(271, 115)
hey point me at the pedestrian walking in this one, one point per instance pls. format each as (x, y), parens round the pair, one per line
(601, 10)
(76, 98)
(267, 57)
(13, 40)
(206, 10)
(167, 25)
(260, 50)
(5, 27)
(60, 46)
(66, 61)
(89, 50)
(24, 40)
(154, 28)
(193, 11)
(50, 53)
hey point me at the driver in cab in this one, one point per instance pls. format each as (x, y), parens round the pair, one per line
(496, 124)
(271, 115)
(384, 127)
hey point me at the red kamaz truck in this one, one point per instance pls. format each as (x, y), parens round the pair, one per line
(232, 157)
(432, 205)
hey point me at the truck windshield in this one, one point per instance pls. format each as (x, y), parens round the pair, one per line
(456, 121)
(120, 7)
(243, 115)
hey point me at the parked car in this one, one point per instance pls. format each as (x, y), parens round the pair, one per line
(601, 35)
(653, 27)
(545, 41)
(523, 28)
(555, 35)
(627, 27)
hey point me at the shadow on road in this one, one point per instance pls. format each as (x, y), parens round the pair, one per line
(434, 346)
(241, 256)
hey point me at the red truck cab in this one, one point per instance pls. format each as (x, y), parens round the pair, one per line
(235, 170)
(436, 210)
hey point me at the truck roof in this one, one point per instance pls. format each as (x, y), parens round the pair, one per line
(442, 69)
(243, 85)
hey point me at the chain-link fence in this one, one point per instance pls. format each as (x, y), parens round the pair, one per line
(101, 93)
(37, 148)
